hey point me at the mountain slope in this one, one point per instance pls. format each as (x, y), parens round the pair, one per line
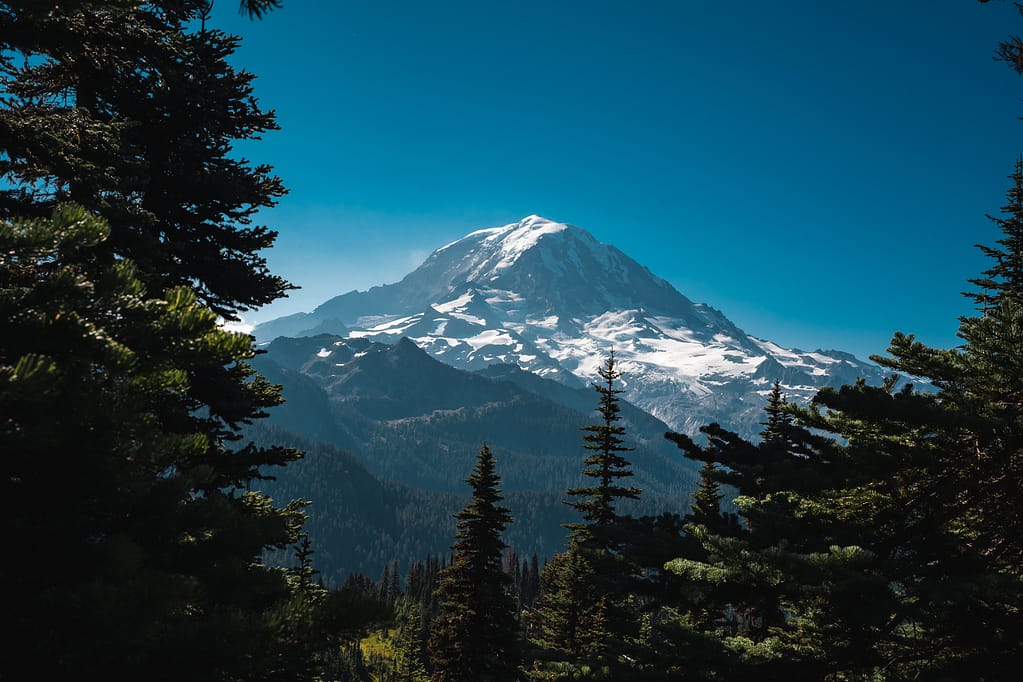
(413, 419)
(550, 299)
(358, 522)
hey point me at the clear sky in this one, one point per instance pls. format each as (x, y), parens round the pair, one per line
(818, 171)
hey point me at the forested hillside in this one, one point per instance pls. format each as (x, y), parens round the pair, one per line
(413, 419)
(360, 523)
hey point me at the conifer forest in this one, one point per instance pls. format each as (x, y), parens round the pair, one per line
(875, 533)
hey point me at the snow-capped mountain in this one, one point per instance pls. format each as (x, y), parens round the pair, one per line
(551, 299)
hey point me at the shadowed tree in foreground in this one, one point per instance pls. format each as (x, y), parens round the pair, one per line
(475, 634)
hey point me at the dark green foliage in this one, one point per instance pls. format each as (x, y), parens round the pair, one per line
(347, 664)
(394, 586)
(389, 585)
(257, 8)
(605, 464)
(384, 583)
(127, 486)
(305, 571)
(883, 524)
(525, 579)
(530, 581)
(585, 620)
(953, 471)
(777, 432)
(409, 653)
(560, 625)
(423, 579)
(120, 495)
(346, 614)
(760, 588)
(129, 111)
(474, 636)
(706, 509)
(360, 523)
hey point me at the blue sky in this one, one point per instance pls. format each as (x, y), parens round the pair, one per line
(818, 171)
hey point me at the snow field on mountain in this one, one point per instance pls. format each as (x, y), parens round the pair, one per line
(551, 299)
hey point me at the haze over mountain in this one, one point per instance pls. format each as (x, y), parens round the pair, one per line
(549, 298)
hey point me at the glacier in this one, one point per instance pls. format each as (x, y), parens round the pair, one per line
(551, 299)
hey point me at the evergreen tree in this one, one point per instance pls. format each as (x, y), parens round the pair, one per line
(474, 636)
(706, 506)
(348, 664)
(384, 586)
(532, 580)
(778, 426)
(510, 565)
(561, 606)
(586, 601)
(305, 571)
(890, 549)
(605, 464)
(394, 587)
(131, 111)
(409, 660)
(122, 399)
(801, 590)
(110, 465)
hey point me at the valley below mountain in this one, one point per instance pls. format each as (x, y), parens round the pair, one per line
(496, 338)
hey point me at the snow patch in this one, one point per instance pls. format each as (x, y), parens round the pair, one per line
(454, 304)
(491, 337)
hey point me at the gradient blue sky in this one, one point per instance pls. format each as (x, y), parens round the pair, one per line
(818, 171)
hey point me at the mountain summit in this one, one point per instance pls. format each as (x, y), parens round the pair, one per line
(550, 264)
(551, 299)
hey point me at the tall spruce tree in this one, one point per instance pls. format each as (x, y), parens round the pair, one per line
(886, 525)
(585, 600)
(132, 111)
(967, 456)
(606, 465)
(139, 544)
(409, 658)
(729, 597)
(474, 636)
(122, 400)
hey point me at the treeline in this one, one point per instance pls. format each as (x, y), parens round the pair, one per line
(359, 522)
(877, 534)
